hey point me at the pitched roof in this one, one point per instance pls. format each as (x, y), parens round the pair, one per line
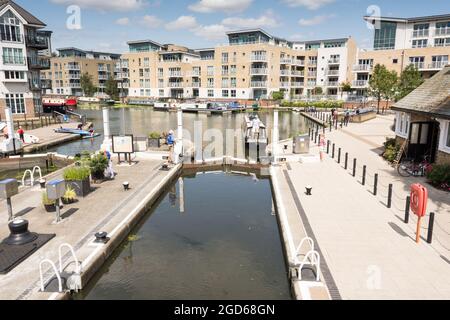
(29, 18)
(432, 97)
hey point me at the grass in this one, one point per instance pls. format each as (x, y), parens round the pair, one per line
(76, 173)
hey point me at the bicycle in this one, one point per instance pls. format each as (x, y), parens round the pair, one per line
(409, 168)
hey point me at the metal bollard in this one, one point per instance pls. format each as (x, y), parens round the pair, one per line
(309, 131)
(375, 184)
(354, 167)
(430, 228)
(364, 175)
(389, 201)
(346, 161)
(339, 155)
(408, 203)
(328, 146)
(332, 151)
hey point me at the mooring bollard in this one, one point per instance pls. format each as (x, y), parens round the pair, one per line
(408, 203)
(332, 151)
(354, 167)
(389, 201)
(328, 146)
(346, 161)
(339, 155)
(375, 184)
(430, 228)
(364, 175)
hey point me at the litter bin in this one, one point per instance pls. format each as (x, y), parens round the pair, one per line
(301, 144)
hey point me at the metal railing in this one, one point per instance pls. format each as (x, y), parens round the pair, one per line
(176, 74)
(298, 62)
(258, 84)
(285, 84)
(362, 67)
(420, 33)
(418, 65)
(298, 73)
(332, 83)
(285, 61)
(17, 60)
(260, 71)
(259, 57)
(297, 84)
(334, 61)
(360, 83)
(332, 72)
(73, 67)
(437, 64)
(442, 31)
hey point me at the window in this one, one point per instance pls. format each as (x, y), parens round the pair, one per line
(210, 93)
(210, 82)
(442, 42)
(225, 57)
(420, 43)
(210, 71)
(146, 62)
(15, 102)
(394, 61)
(233, 82)
(15, 75)
(160, 72)
(225, 93)
(10, 28)
(385, 36)
(225, 83)
(402, 124)
(224, 70)
(233, 70)
(147, 92)
(141, 72)
(233, 93)
(161, 93)
(13, 56)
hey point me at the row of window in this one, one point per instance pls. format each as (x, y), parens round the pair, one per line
(423, 43)
(16, 102)
(13, 56)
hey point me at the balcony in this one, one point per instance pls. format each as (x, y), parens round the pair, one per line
(418, 65)
(285, 61)
(258, 71)
(332, 72)
(285, 72)
(362, 67)
(103, 77)
(312, 74)
(34, 85)
(46, 83)
(210, 85)
(74, 76)
(442, 32)
(334, 61)
(311, 84)
(297, 84)
(285, 84)
(74, 85)
(196, 85)
(258, 84)
(36, 42)
(194, 73)
(297, 73)
(175, 74)
(437, 65)
(312, 63)
(298, 62)
(420, 33)
(360, 83)
(72, 67)
(39, 63)
(259, 57)
(332, 83)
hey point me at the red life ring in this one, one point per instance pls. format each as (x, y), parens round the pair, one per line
(419, 198)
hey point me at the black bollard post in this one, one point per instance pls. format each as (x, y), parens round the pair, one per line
(317, 135)
(408, 203)
(309, 131)
(364, 175)
(339, 155)
(346, 161)
(332, 151)
(389, 201)
(354, 167)
(328, 146)
(375, 184)
(430, 228)
(336, 124)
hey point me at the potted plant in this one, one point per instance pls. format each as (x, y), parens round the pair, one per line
(69, 196)
(154, 140)
(49, 205)
(98, 165)
(78, 178)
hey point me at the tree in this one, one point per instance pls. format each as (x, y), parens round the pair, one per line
(346, 87)
(380, 84)
(317, 91)
(111, 89)
(278, 95)
(410, 79)
(87, 85)
(391, 87)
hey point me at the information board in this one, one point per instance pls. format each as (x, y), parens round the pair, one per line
(123, 144)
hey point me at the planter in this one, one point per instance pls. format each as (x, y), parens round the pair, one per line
(82, 187)
(50, 207)
(68, 201)
(154, 143)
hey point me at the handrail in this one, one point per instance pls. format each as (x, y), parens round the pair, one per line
(31, 177)
(315, 259)
(38, 169)
(311, 245)
(77, 263)
(56, 273)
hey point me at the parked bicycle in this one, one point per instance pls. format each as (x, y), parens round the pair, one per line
(409, 168)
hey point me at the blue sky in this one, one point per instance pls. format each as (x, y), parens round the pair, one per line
(106, 25)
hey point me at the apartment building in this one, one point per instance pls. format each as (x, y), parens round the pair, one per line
(253, 65)
(398, 42)
(23, 46)
(66, 69)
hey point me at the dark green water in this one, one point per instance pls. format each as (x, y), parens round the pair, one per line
(226, 245)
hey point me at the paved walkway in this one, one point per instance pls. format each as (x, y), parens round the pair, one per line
(369, 251)
(102, 210)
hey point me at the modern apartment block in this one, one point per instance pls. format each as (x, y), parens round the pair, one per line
(398, 42)
(66, 69)
(23, 46)
(251, 66)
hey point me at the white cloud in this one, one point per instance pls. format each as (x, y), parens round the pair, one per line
(211, 32)
(151, 21)
(263, 21)
(314, 20)
(123, 21)
(183, 22)
(106, 5)
(207, 6)
(309, 4)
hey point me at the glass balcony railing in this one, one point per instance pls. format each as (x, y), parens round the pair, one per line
(258, 71)
(442, 31)
(362, 67)
(437, 64)
(36, 41)
(418, 65)
(420, 33)
(259, 57)
(360, 83)
(258, 84)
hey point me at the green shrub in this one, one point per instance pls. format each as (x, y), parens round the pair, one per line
(327, 104)
(440, 175)
(70, 194)
(76, 173)
(98, 165)
(46, 201)
(391, 149)
(154, 135)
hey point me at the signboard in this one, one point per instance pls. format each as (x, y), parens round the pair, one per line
(123, 144)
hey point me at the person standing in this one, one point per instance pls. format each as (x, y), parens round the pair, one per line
(171, 144)
(21, 134)
(110, 169)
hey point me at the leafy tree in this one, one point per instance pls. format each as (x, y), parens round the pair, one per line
(111, 89)
(391, 87)
(346, 87)
(381, 83)
(410, 79)
(87, 85)
(278, 95)
(317, 91)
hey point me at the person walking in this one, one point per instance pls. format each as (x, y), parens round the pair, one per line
(347, 117)
(171, 144)
(21, 134)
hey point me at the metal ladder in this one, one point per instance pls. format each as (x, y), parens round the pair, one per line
(31, 172)
(311, 258)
